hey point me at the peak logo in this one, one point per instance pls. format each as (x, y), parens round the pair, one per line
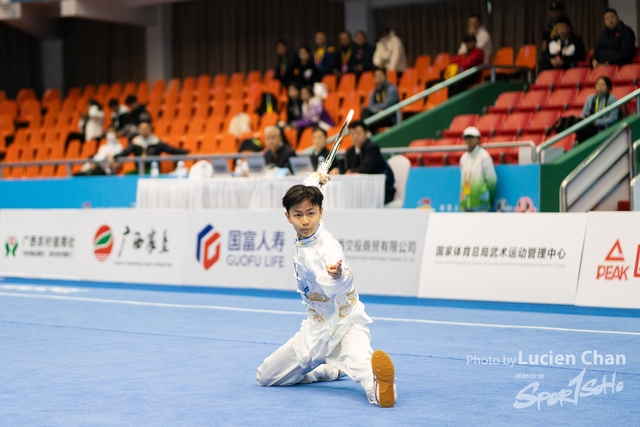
(616, 271)
(11, 246)
(103, 243)
(208, 247)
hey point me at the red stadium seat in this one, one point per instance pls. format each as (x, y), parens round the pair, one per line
(514, 124)
(506, 102)
(459, 124)
(537, 138)
(532, 101)
(440, 159)
(573, 77)
(488, 123)
(416, 158)
(560, 99)
(582, 96)
(542, 122)
(628, 75)
(547, 79)
(603, 70)
(622, 91)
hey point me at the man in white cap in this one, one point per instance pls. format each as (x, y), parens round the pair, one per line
(478, 177)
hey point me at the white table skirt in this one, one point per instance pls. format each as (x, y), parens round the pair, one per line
(344, 192)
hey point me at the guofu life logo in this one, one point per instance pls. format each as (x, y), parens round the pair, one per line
(208, 247)
(103, 243)
(11, 246)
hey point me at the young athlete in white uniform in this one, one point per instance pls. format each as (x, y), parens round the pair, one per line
(334, 338)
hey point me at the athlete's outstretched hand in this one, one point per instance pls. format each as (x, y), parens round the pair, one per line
(335, 271)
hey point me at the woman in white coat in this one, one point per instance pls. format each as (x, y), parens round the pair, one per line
(91, 124)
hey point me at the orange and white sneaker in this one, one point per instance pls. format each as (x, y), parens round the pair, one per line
(383, 378)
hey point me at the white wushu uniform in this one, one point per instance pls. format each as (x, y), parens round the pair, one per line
(334, 336)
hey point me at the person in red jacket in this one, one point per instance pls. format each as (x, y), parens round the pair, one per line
(473, 57)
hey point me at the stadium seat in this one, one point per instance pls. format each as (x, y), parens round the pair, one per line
(587, 58)
(306, 140)
(575, 112)
(414, 107)
(347, 84)
(547, 80)
(422, 62)
(228, 144)
(332, 105)
(331, 81)
(220, 80)
(532, 101)
(429, 74)
(24, 94)
(536, 138)
(567, 142)
(440, 158)
(560, 99)
(365, 86)
(502, 155)
(622, 91)
(441, 61)
(268, 76)
(513, 124)
(392, 77)
(9, 108)
(627, 75)
(503, 58)
(408, 80)
(436, 98)
(253, 76)
(603, 70)
(527, 56)
(573, 77)
(542, 122)
(459, 124)
(488, 123)
(582, 96)
(506, 102)
(209, 144)
(416, 158)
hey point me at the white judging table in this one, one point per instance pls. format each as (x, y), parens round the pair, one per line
(343, 192)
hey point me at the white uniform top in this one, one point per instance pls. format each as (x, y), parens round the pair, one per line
(332, 304)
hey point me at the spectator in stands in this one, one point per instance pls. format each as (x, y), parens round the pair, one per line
(325, 56)
(105, 156)
(382, 96)
(365, 157)
(595, 103)
(347, 53)
(147, 144)
(483, 39)
(617, 43)
(478, 176)
(137, 114)
(294, 105)
(389, 53)
(459, 63)
(303, 71)
(320, 151)
(117, 111)
(268, 104)
(278, 152)
(284, 60)
(363, 54)
(565, 50)
(90, 124)
(556, 10)
(313, 111)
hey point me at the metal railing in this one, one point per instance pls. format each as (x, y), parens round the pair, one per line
(588, 120)
(461, 147)
(601, 173)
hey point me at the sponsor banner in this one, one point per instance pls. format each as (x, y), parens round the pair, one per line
(610, 271)
(383, 247)
(42, 243)
(438, 189)
(237, 249)
(99, 244)
(510, 258)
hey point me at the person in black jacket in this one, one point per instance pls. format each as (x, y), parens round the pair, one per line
(565, 50)
(130, 121)
(284, 60)
(617, 43)
(147, 144)
(320, 151)
(363, 54)
(303, 71)
(347, 53)
(365, 157)
(277, 152)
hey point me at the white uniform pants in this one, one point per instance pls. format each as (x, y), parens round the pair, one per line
(352, 355)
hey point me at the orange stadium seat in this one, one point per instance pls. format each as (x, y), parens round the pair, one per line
(408, 80)
(422, 62)
(441, 61)
(437, 98)
(347, 84)
(24, 94)
(228, 144)
(331, 81)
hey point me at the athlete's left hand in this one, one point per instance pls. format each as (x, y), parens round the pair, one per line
(335, 271)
